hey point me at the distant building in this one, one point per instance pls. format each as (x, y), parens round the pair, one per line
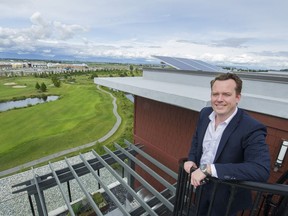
(5, 65)
(68, 66)
(37, 64)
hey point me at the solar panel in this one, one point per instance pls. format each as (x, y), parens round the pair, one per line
(189, 64)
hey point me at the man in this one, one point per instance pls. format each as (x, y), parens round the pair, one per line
(228, 144)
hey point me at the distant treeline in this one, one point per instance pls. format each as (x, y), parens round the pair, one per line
(92, 72)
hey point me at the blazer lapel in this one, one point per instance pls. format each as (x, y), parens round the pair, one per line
(202, 131)
(227, 132)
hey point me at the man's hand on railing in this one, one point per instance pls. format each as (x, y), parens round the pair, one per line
(197, 178)
(188, 165)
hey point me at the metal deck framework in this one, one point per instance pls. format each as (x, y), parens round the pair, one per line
(160, 203)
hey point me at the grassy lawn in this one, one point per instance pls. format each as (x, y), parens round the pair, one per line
(82, 114)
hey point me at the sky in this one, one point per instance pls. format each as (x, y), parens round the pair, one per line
(252, 33)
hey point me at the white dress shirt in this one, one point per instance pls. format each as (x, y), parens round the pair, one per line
(212, 139)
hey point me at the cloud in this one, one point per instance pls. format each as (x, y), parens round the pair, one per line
(41, 33)
(189, 42)
(231, 42)
(67, 31)
(42, 28)
(154, 47)
(38, 20)
(272, 54)
(226, 42)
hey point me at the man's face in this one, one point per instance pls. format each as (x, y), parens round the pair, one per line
(223, 98)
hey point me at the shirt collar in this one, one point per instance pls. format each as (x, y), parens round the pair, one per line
(212, 116)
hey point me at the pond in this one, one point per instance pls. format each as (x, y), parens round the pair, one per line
(25, 103)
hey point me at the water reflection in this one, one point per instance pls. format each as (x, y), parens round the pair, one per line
(25, 103)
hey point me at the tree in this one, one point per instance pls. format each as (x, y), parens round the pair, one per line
(131, 68)
(56, 81)
(43, 87)
(37, 86)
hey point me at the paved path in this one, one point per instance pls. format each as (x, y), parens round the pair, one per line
(58, 154)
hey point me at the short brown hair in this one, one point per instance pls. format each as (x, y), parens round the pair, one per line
(227, 76)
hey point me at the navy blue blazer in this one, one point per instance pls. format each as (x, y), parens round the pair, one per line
(242, 155)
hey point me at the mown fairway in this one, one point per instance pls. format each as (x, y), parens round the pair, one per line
(82, 114)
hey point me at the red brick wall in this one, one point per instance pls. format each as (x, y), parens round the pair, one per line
(277, 130)
(166, 132)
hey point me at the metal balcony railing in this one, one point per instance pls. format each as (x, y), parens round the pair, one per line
(268, 199)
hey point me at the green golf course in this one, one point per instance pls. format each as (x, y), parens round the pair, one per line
(82, 114)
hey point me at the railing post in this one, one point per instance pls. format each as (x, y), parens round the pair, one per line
(231, 198)
(38, 198)
(69, 191)
(130, 178)
(180, 189)
(31, 205)
(98, 173)
(256, 204)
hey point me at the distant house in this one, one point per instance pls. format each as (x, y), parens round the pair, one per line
(167, 104)
(5, 65)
